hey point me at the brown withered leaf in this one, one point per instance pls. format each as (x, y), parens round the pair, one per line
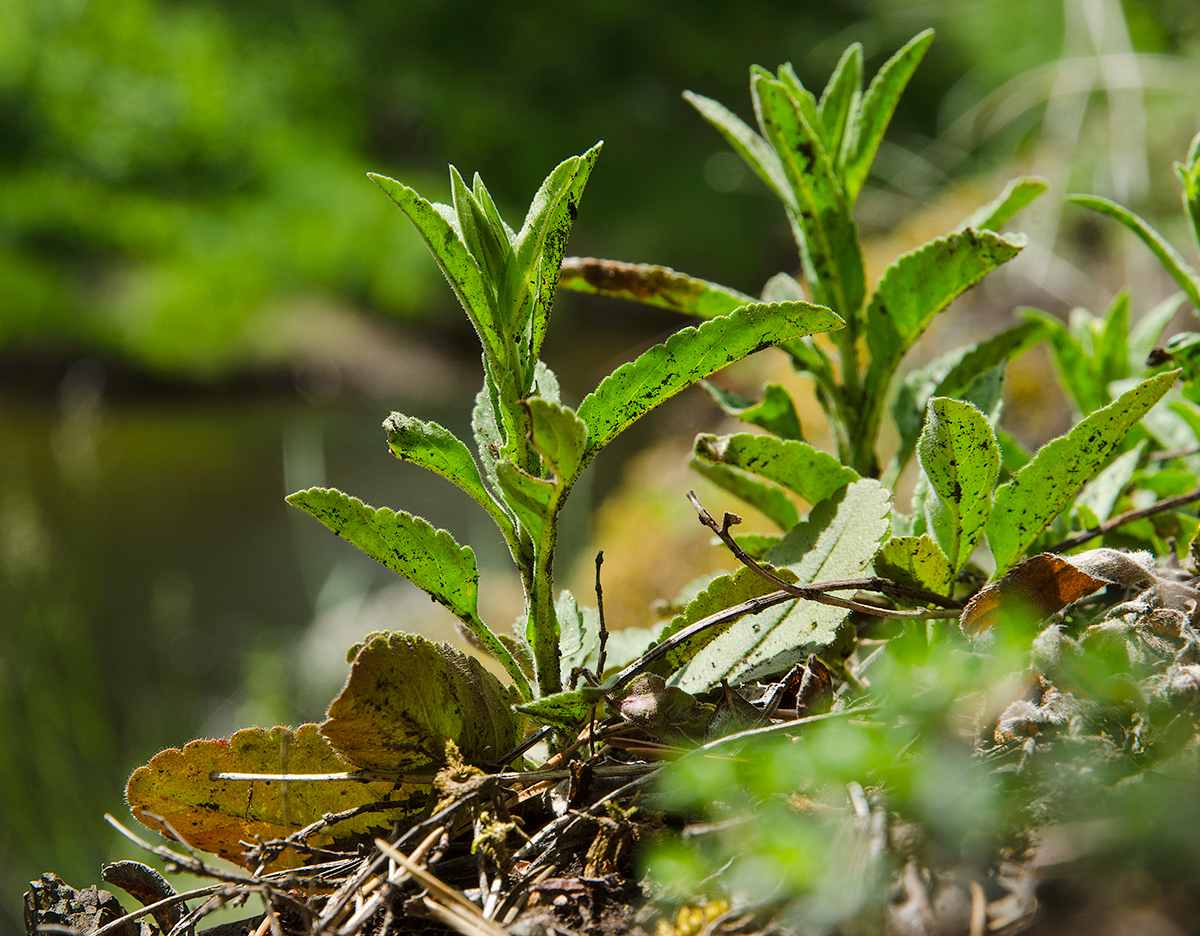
(225, 816)
(1047, 583)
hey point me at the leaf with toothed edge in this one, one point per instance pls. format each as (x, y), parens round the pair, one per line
(689, 355)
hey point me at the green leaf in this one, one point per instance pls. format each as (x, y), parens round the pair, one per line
(559, 436)
(540, 246)
(1170, 258)
(213, 815)
(775, 412)
(1148, 329)
(451, 254)
(830, 248)
(838, 106)
(1041, 490)
(406, 696)
(1071, 361)
(579, 636)
(409, 545)
(838, 540)
(1189, 175)
(920, 284)
(807, 471)
(725, 591)
(1111, 344)
(951, 375)
(489, 247)
(689, 355)
(960, 457)
(756, 151)
(915, 560)
(564, 709)
(767, 499)
(431, 446)
(1016, 195)
(1099, 496)
(878, 105)
(651, 285)
(535, 501)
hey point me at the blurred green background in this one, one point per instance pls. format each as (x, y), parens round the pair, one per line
(204, 304)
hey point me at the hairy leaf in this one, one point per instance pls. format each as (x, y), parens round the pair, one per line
(652, 285)
(409, 545)
(838, 106)
(756, 151)
(406, 696)
(920, 284)
(690, 355)
(540, 246)
(799, 467)
(775, 412)
(431, 446)
(875, 112)
(559, 436)
(960, 457)
(838, 540)
(451, 254)
(1016, 195)
(830, 240)
(226, 817)
(1041, 490)
(565, 709)
(579, 635)
(766, 498)
(915, 560)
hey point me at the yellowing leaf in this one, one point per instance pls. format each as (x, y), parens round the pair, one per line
(407, 696)
(226, 817)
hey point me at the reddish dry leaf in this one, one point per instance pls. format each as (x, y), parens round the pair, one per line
(225, 817)
(1047, 583)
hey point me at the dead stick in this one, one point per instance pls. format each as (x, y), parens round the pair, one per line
(1127, 517)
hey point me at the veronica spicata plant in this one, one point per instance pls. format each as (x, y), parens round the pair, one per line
(530, 448)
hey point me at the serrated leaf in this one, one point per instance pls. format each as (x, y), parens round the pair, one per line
(431, 446)
(875, 112)
(451, 254)
(766, 498)
(838, 540)
(1041, 490)
(1016, 195)
(830, 247)
(651, 285)
(915, 560)
(838, 105)
(920, 284)
(427, 557)
(797, 466)
(690, 355)
(540, 246)
(1171, 259)
(406, 696)
(756, 151)
(226, 817)
(535, 501)
(960, 457)
(775, 412)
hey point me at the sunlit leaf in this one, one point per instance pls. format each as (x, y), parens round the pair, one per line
(1041, 490)
(775, 412)
(406, 696)
(839, 102)
(427, 557)
(769, 500)
(960, 458)
(690, 355)
(807, 471)
(226, 817)
(915, 560)
(757, 153)
(1016, 195)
